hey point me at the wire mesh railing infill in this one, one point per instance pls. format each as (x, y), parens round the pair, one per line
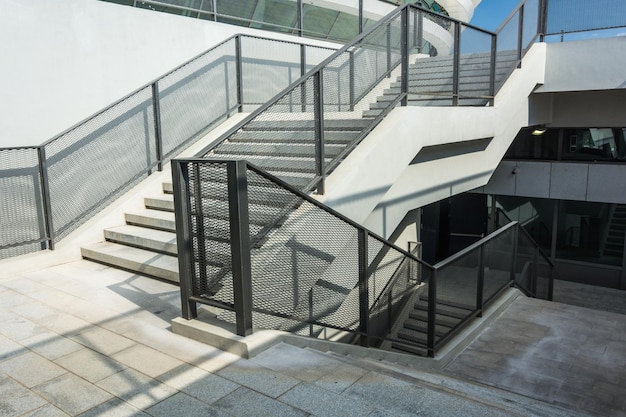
(48, 191)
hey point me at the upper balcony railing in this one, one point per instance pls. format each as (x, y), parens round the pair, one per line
(296, 17)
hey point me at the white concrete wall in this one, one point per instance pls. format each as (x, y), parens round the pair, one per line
(377, 186)
(64, 60)
(559, 180)
(593, 64)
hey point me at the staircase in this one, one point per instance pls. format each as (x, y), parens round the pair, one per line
(614, 244)
(415, 328)
(430, 81)
(146, 244)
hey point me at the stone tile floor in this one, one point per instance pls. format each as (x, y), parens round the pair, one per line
(84, 339)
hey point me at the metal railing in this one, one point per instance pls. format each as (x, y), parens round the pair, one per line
(571, 16)
(258, 248)
(290, 18)
(47, 191)
(257, 245)
(469, 281)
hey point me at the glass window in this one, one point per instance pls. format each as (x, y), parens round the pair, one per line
(529, 146)
(534, 214)
(283, 13)
(594, 144)
(591, 232)
(318, 21)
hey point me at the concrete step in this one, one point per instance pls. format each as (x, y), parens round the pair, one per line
(444, 321)
(277, 149)
(292, 136)
(217, 209)
(422, 81)
(329, 124)
(296, 179)
(263, 195)
(466, 88)
(276, 165)
(141, 261)
(141, 237)
(153, 219)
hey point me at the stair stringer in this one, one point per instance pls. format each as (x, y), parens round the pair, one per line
(377, 185)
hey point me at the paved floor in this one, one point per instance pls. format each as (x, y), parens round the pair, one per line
(85, 339)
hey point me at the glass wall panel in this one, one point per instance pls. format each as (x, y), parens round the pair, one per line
(281, 15)
(534, 214)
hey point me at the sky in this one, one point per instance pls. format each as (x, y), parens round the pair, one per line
(490, 13)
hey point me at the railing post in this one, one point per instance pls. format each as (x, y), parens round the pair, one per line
(180, 184)
(492, 70)
(418, 33)
(156, 109)
(432, 313)
(551, 284)
(389, 310)
(311, 312)
(302, 72)
(45, 195)
(533, 285)
(405, 55)
(514, 254)
(239, 73)
(363, 288)
(542, 19)
(388, 50)
(318, 115)
(300, 19)
(215, 10)
(520, 36)
(456, 69)
(481, 281)
(351, 69)
(240, 245)
(360, 16)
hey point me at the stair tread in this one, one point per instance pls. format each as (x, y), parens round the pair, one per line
(139, 260)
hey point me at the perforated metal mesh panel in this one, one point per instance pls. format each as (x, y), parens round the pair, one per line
(531, 23)
(100, 159)
(307, 252)
(22, 218)
(304, 259)
(210, 231)
(197, 95)
(475, 67)
(583, 15)
(280, 139)
(498, 258)
(267, 68)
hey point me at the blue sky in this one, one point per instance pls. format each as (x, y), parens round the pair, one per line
(490, 13)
